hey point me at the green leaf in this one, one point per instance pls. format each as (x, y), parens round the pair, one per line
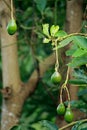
(80, 74)
(16, 127)
(83, 126)
(78, 61)
(78, 81)
(80, 41)
(79, 52)
(72, 49)
(60, 34)
(46, 29)
(54, 29)
(65, 42)
(70, 52)
(79, 104)
(82, 92)
(41, 5)
(75, 127)
(46, 40)
(49, 125)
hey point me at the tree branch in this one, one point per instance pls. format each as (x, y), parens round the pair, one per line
(43, 66)
(73, 123)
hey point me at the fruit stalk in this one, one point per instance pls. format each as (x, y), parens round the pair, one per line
(68, 94)
(11, 9)
(74, 122)
(57, 62)
(67, 76)
(61, 101)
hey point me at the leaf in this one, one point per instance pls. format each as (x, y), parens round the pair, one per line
(65, 42)
(78, 61)
(83, 126)
(27, 13)
(16, 127)
(80, 126)
(80, 41)
(79, 52)
(72, 49)
(60, 34)
(46, 40)
(41, 4)
(78, 81)
(70, 52)
(49, 125)
(54, 29)
(80, 73)
(75, 127)
(46, 29)
(82, 93)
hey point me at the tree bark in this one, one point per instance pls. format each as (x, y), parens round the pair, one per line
(74, 15)
(74, 24)
(14, 91)
(11, 76)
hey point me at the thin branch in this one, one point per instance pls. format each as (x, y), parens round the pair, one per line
(27, 28)
(73, 123)
(72, 34)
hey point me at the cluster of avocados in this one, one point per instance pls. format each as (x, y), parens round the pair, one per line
(67, 112)
(61, 110)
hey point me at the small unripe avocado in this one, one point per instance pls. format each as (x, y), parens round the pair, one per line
(56, 77)
(69, 116)
(11, 27)
(61, 109)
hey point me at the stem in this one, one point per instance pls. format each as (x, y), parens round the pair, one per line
(11, 9)
(67, 76)
(66, 126)
(65, 87)
(73, 34)
(57, 62)
(61, 101)
(68, 96)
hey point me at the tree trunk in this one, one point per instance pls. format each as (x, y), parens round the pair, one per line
(14, 91)
(73, 24)
(11, 76)
(74, 15)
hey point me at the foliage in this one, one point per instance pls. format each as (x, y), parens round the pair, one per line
(49, 125)
(81, 80)
(80, 52)
(41, 106)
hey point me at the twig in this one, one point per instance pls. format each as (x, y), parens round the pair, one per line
(66, 126)
(72, 34)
